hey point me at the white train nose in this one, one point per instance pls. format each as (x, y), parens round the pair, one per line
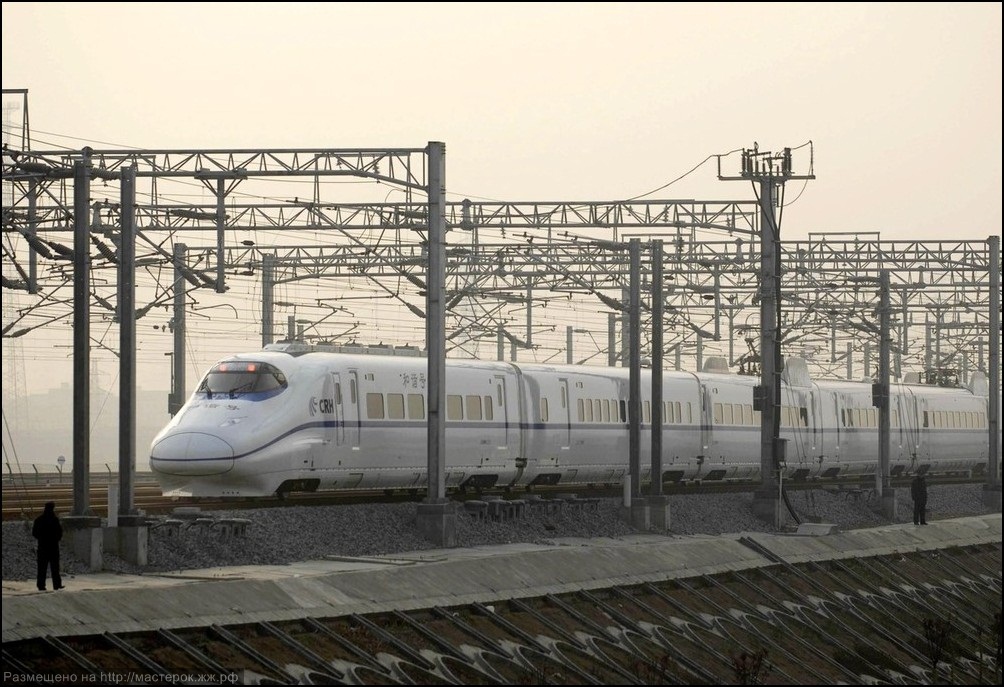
(193, 454)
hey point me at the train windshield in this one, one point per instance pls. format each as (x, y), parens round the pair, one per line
(241, 378)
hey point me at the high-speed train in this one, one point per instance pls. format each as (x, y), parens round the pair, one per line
(275, 421)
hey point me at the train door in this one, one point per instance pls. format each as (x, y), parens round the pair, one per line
(816, 420)
(499, 422)
(350, 410)
(706, 417)
(922, 422)
(322, 412)
(565, 415)
(339, 409)
(838, 424)
(896, 412)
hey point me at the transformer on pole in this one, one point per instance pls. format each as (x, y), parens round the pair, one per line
(769, 172)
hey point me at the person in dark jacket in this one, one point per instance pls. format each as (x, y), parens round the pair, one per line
(918, 490)
(48, 532)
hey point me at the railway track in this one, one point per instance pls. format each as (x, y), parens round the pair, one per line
(25, 500)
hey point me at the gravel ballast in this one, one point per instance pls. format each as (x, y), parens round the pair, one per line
(277, 536)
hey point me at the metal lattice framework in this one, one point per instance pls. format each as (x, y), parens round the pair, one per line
(543, 276)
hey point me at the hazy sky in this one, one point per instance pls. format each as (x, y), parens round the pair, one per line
(541, 101)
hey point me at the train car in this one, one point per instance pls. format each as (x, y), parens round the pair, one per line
(276, 421)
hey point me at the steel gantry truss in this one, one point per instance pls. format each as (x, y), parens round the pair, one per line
(505, 260)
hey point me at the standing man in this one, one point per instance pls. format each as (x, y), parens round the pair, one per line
(918, 490)
(48, 532)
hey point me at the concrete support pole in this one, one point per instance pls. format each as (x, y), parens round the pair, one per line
(992, 490)
(766, 499)
(611, 339)
(658, 503)
(500, 344)
(639, 508)
(927, 347)
(883, 486)
(625, 334)
(177, 396)
(437, 519)
(81, 337)
(850, 361)
(529, 317)
(83, 527)
(127, 515)
(32, 231)
(267, 298)
(221, 222)
(568, 344)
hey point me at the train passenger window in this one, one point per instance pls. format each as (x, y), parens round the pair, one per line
(589, 410)
(667, 414)
(395, 406)
(606, 410)
(597, 409)
(582, 415)
(926, 421)
(727, 418)
(473, 407)
(623, 410)
(454, 407)
(338, 393)
(647, 410)
(718, 413)
(756, 418)
(737, 413)
(564, 401)
(352, 391)
(678, 412)
(690, 413)
(416, 407)
(543, 409)
(747, 414)
(489, 413)
(374, 406)
(803, 413)
(498, 393)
